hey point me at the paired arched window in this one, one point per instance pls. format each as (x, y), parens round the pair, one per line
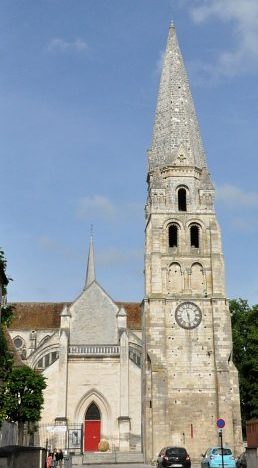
(173, 235)
(181, 199)
(195, 236)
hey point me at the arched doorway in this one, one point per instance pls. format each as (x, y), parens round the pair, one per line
(92, 428)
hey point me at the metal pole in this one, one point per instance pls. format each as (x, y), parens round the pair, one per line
(221, 446)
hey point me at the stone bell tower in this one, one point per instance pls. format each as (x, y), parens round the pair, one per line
(189, 379)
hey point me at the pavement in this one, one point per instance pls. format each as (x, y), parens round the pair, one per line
(124, 465)
(117, 465)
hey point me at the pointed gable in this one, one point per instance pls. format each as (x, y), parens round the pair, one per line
(93, 317)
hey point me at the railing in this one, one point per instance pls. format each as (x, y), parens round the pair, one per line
(94, 350)
(104, 350)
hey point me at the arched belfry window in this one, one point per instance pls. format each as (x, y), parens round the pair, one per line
(195, 236)
(92, 413)
(172, 235)
(181, 197)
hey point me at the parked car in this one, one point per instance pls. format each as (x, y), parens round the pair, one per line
(241, 461)
(173, 457)
(213, 458)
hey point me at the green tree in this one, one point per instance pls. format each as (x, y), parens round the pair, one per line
(6, 360)
(6, 312)
(245, 355)
(22, 397)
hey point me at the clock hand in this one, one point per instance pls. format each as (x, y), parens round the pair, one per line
(188, 316)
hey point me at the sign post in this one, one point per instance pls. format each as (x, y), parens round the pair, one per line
(220, 425)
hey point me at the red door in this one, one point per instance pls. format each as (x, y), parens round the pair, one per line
(91, 435)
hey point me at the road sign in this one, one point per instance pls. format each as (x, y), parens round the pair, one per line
(220, 423)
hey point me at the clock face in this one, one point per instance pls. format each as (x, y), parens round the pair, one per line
(188, 315)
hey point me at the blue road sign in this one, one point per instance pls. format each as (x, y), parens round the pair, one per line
(220, 423)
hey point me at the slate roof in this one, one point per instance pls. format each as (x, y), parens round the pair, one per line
(46, 315)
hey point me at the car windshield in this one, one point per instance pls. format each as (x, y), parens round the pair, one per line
(176, 451)
(218, 451)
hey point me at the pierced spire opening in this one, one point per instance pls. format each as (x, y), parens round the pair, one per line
(181, 194)
(194, 235)
(172, 235)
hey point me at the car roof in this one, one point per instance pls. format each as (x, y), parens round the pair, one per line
(175, 446)
(219, 448)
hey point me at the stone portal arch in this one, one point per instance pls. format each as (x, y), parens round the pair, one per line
(92, 428)
(84, 406)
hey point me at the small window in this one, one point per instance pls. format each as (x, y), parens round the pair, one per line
(18, 342)
(194, 235)
(172, 235)
(92, 412)
(44, 339)
(181, 194)
(47, 360)
(176, 451)
(40, 364)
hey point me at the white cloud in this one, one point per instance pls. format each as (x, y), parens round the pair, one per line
(52, 245)
(96, 206)
(243, 17)
(244, 224)
(236, 197)
(60, 45)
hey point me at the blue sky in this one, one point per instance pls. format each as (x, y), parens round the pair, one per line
(78, 87)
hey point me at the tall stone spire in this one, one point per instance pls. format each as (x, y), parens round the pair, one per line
(90, 275)
(176, 132)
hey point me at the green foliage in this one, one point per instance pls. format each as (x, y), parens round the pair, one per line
(245, 354)
(6, 362)
(21, 388)
(22, 394)
(3, 262)
(7, 313)
(6, 359)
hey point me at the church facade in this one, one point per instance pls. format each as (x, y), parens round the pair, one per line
(161, 373)
(90, 353)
